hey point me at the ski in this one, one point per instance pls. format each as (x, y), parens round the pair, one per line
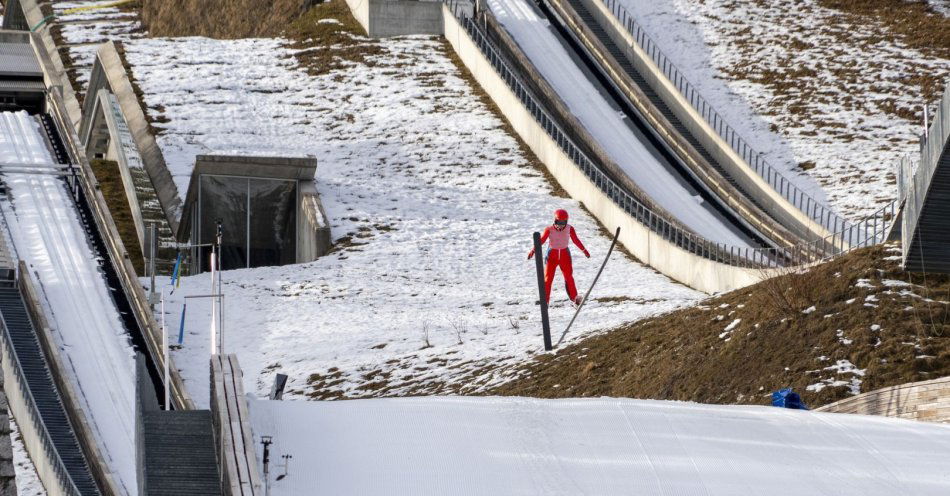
(542, 299)
(591, 288)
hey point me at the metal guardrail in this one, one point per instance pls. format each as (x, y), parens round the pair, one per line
(867, 232)
(914, 183)
(814, 209)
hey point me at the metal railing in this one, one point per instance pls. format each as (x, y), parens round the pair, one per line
(814, 209)
(63, 476)
(869, 231)
(915, 183)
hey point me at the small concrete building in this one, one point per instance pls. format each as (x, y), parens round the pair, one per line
(267, 208)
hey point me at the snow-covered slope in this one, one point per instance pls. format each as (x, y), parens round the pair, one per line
(436, 198)
(804, 84)
(606, 124)
(423, 446)
(27, 480)
(49, 236)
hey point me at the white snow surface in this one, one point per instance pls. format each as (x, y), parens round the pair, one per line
(27, 480)
(941, 6)
(491, 445)
(839, 117)
(437, 199)
(49, 236)
(538, 41)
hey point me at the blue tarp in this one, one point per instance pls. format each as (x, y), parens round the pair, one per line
(785, 398)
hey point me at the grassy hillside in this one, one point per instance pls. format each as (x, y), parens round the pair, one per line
(854, 324)
(223, 19)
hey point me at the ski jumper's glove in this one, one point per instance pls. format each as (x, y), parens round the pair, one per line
(577, 242)
(544, 238)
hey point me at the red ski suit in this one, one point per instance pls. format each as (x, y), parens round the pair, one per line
(559, 255)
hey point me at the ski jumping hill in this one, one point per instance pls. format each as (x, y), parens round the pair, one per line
(424, 446)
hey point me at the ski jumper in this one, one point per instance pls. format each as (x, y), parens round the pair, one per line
(559, 255)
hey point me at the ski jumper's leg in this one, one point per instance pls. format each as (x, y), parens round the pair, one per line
(549, 271)
(567, 268)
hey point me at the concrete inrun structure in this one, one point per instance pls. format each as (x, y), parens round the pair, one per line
(267, 208)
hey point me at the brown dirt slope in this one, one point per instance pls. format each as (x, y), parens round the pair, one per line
(225, 19)
(791, 331)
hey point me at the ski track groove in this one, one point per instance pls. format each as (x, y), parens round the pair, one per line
(86, 324)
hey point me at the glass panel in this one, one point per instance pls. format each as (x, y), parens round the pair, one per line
(273, 222)
(225, 199)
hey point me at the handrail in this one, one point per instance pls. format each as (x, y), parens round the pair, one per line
(59, 467)
(914, 183)
(868, 231)
(814, 209)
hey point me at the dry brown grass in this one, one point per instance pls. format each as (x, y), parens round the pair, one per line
(861, 23)
(913, 22)
(151, 117)
(682, 356)
(110, 183)
(223, 19)
(328, 38)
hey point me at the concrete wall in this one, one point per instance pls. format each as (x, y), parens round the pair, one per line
(313, 227)
(384, 18)
(736, 167)
(103, 123)
(109, 73)
(29, 426)
(926, 400)
(681, 265)
(54, 71)
(7, 472)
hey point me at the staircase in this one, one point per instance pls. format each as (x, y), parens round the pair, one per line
(176, 448)
(926, 230)
(179, 453)
(41, 390)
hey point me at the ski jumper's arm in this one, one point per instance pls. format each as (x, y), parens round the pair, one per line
(577, 242)
(544, 238)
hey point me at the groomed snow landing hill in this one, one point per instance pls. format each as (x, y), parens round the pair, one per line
(434, 446)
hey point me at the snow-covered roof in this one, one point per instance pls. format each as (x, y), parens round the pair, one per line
(491, 445)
